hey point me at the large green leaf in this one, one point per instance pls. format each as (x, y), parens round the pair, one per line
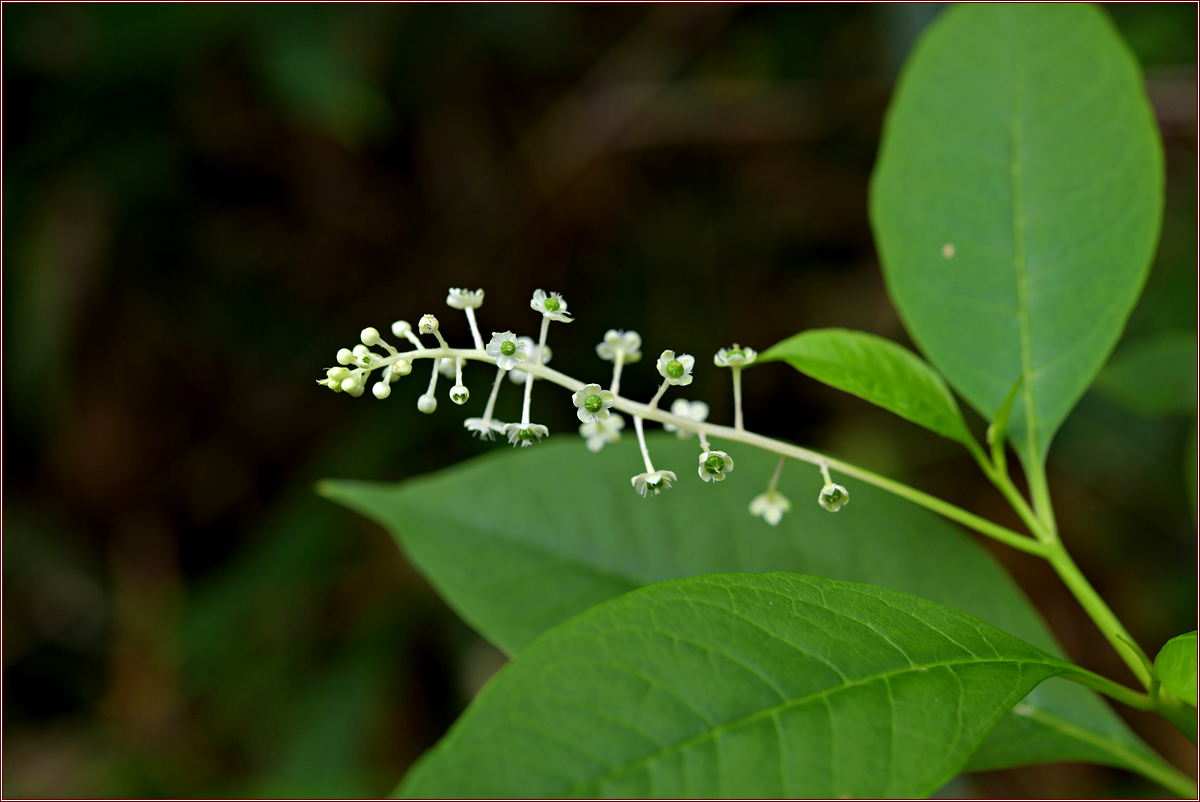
(1154, 377)
(1176, 666)
(1016, 203)
(877, 370)
(769, 685)
(518, 541)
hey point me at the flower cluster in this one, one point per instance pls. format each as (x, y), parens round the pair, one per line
(523, 360)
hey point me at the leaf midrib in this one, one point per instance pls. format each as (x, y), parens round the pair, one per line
(786, 704)
(1018, 195)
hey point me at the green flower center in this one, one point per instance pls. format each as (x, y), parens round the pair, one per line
(675, 369)
(525, 434)
(735, 353)
(508, 347)
(366, 360)
(551, 304)
(593, 403)
(714, 465)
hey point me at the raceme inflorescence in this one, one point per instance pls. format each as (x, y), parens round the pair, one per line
(524, 360)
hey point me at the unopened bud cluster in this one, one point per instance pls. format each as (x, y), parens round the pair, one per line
(523, 358)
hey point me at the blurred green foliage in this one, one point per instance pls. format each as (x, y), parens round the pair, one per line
(203, 202)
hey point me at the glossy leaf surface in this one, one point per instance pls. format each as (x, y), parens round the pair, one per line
(1016, 203)
(877, 370)
(768, 685)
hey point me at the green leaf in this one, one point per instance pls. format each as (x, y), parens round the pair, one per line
(519, 541)
(998, 429)
(1016, 203)
(877, 370)
(770, 685)
(1154, 377)
(1176, 665)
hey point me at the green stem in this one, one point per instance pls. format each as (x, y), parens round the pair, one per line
(1111, 689)
(1039, 491)
(1112, 628)
(997, 473)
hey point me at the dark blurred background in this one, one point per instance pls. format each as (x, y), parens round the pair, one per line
(202, 203)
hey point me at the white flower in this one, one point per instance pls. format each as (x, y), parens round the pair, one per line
(735, 357)
(531, 349)
(464, 298)
(692, 410)
(714, 465)
(484, 428)
(676, 370)
(592, 403)
(615, 340)
(600, 432)
(552, 306)
(832, 497)
(446, 367)
(428, 324)
(459, 394)
(657, 481)
(506, 349)
(771, 506)
(523, 434)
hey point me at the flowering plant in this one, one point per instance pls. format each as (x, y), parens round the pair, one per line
(665, 646)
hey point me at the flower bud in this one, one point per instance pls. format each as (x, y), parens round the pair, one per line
(428, 324)
(345, 356)
(402, 367)
(337, 374)
(401, 328)
(427, 404)
(357, 391)
(459, 394)
(360, 350)
(369, 335)
(381, 390)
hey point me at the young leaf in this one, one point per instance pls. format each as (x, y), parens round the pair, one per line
(1016, 203)
(769, 685)
(877, 370)
(1154, 377)
(998, 429)
(1176, 664)
(575, 535)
